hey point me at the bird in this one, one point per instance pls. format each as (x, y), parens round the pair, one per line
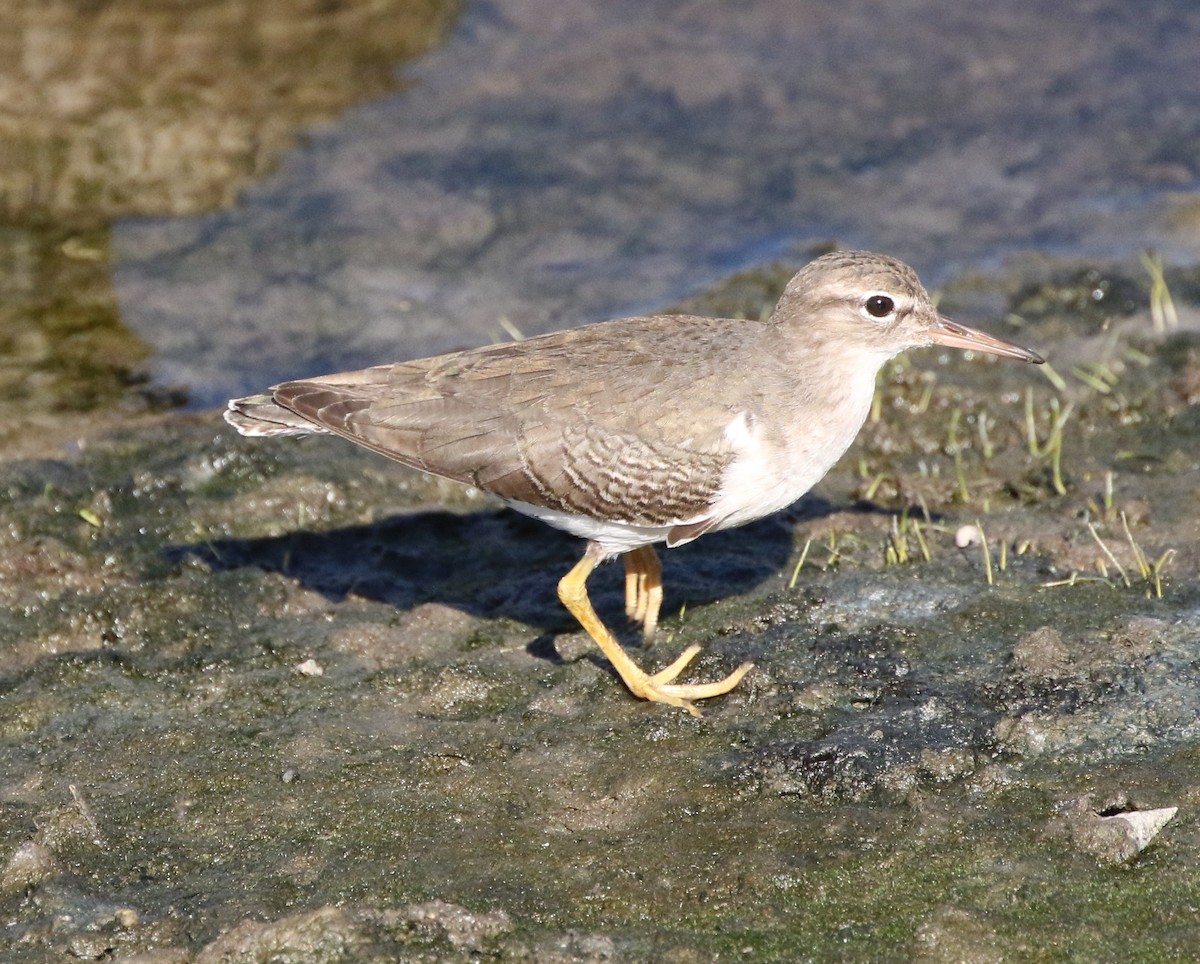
(642, 431)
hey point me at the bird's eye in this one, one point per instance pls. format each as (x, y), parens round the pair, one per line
(880, 306)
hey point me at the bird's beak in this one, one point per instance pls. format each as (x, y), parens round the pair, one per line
(953, 335)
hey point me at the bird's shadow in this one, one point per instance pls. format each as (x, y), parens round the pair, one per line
(498, 563)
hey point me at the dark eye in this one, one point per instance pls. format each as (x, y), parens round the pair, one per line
(880, 306)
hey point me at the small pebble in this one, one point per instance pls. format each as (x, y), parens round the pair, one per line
(310, 667)
(968, 536)
(1143, 825)
(30, 864)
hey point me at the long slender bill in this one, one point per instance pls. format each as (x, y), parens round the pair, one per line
(953, 335)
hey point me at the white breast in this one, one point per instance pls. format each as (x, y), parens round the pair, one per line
(771, 470)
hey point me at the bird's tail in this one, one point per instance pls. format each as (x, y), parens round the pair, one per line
(260, 415)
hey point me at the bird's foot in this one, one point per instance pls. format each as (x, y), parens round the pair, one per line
(660, 688)
(643, 586)
(643, 589)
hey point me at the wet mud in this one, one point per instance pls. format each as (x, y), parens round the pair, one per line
(283, 700)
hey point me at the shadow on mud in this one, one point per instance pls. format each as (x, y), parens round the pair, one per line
(498, 563)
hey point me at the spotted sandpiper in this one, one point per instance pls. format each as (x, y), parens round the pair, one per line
(643, 430)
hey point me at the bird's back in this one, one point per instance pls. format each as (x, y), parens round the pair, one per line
(585, 421)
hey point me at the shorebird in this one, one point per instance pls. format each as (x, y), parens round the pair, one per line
(641, 431)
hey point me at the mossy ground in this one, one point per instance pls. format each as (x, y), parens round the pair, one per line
(287, 682)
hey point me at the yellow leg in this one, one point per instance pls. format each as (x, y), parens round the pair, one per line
(658, 687)
(643, 588)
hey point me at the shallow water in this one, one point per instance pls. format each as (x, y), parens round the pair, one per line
(561, 162)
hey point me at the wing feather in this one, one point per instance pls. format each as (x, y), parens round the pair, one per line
(585, 421)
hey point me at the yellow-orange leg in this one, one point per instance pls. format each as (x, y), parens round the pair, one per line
(658, 687)
(643, 588)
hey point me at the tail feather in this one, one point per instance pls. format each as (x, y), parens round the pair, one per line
(260, 416)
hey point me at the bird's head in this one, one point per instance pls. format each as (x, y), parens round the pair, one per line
(873, 304)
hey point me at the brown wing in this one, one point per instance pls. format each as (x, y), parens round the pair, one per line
(584, 421)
